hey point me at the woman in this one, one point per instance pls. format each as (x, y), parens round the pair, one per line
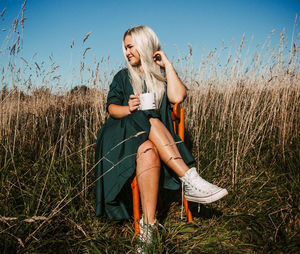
(142, 142)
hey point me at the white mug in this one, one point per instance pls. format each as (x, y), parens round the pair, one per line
(147, 101)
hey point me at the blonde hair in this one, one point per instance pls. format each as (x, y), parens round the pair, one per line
(146, 43)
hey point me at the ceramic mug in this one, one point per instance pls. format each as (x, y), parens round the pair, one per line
(147, 101)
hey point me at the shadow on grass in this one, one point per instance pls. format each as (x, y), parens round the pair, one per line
(168, 197)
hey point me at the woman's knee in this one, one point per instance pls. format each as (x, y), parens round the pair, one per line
(148, 152)
(155, 121)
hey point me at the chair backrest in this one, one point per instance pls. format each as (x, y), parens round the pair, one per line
(178, 115)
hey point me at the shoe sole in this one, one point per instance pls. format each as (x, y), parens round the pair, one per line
(209, 199)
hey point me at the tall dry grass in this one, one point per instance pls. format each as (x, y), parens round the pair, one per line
(235, 119)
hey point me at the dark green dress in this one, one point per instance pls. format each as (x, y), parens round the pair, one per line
(116, 148)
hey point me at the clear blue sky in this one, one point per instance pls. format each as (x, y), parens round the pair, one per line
(51, 25)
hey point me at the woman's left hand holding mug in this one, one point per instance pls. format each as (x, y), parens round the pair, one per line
(134, 102)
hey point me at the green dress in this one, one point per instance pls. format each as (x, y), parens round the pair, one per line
(116, 148)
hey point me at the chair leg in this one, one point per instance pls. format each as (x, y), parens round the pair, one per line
(136, 205)
(181, 135)
(187, 210)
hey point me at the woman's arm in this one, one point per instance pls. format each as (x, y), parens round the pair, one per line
(176, 91)
(117, 111)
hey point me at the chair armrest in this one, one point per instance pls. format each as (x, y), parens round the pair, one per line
(176, 111)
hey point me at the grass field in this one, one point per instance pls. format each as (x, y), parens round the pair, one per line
(242, 126)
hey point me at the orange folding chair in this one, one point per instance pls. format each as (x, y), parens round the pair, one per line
(177, 114)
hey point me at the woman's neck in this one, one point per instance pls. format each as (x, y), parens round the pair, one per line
(140, 68)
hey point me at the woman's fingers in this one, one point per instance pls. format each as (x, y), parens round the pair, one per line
(132, 96)
(134, 108)
(134, 102)
(160, 58)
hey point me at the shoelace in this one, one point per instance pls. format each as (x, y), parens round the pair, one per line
(209, 186)
(146, 230)
(160, 225)
(181, 213)
(140, 248)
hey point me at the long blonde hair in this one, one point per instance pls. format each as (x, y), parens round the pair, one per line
(146, 43)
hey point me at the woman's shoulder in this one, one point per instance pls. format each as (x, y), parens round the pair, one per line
(122, 73)
(120, 79)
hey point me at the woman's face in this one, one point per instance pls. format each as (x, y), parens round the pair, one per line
(132, 54)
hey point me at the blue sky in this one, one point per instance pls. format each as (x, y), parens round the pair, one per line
(52, 25)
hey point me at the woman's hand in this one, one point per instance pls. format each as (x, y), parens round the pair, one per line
(134, 102)
(118, 111)
(176, 91)
(161, 59)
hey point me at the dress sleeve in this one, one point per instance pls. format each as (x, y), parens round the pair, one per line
(115, 94)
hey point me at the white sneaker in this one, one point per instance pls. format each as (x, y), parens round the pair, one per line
(146, 236)
(146, 231)
(196, 189)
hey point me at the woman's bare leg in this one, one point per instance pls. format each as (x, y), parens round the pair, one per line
(161, 145)
(167, 149)
(148, 172)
